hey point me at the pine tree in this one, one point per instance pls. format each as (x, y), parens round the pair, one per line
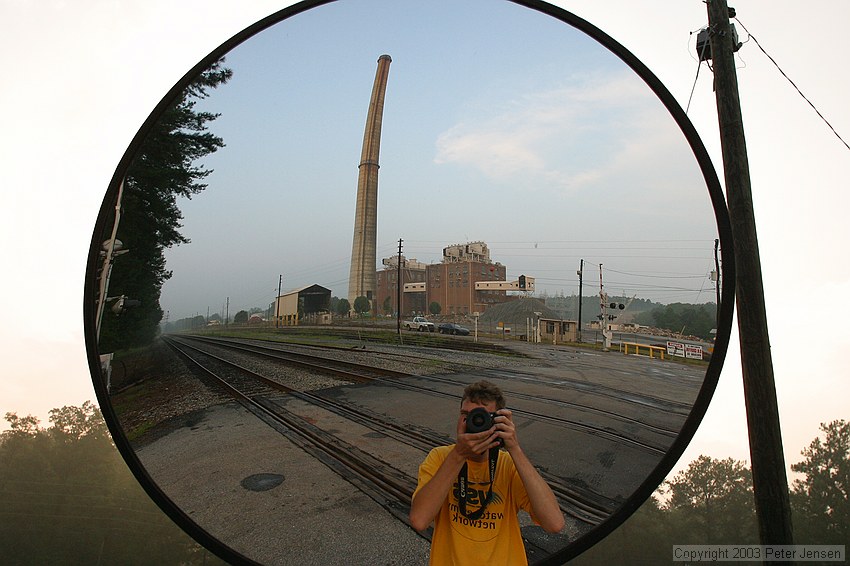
(165, 168)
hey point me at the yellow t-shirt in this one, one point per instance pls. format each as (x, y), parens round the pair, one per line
(495, 537)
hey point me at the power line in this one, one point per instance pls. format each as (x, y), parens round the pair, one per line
(793, 84)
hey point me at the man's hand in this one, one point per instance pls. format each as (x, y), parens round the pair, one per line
(471, 445)
(505, 429)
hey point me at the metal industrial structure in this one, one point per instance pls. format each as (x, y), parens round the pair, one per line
(361, 280)
(311, 303)
(465, 282)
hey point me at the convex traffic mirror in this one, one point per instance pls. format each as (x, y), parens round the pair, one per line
(503, 170)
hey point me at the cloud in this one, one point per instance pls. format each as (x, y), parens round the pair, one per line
(568, 137)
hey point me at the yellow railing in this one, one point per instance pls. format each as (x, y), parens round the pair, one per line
(646, 349)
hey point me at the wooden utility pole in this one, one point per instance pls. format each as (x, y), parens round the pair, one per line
(770, 484)
(277, 302)
(398, 290)
(580, 274)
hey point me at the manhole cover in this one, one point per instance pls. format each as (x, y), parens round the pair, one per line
(262, 482)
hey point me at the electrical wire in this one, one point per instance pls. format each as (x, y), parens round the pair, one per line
(699, 64)
(772, 60)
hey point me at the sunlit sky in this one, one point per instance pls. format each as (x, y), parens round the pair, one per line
(80, 78)
(548, 148)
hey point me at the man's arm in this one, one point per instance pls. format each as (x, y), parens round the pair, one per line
(429, 499)
(543, 503)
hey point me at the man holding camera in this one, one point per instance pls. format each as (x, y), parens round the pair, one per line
(472, 490)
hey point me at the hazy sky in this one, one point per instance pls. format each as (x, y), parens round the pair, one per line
(512, 128)
(80, 78)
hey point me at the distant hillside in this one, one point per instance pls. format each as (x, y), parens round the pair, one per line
(694, 319)
(566, 308)
(515, 314)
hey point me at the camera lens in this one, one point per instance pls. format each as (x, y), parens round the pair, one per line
(478, 420)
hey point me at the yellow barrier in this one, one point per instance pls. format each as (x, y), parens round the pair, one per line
(624, 347)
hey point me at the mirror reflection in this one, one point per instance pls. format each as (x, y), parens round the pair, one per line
(365, 208)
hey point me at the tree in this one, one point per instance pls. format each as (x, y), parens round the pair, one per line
(361, 305)
(164, 169)
(697, 320)
(434, 308)
(343, 307)
(388, 305)
(642, 539)
(822, 499)
(67, 497)
(712, 501)
(241, 317)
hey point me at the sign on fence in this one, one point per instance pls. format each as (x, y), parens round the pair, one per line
(676, 349)
(693, 352)
(689, 351)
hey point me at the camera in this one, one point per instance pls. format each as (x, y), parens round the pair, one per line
(480, 419)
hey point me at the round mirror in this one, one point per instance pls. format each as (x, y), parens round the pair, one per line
(350, 211)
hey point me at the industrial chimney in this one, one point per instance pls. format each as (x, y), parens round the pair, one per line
(361, 281)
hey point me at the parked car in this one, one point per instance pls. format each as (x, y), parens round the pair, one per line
(451, 328)
(419, 323)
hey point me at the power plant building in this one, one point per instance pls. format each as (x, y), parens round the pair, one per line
(450, 283)
(466, 281)
(413, 296)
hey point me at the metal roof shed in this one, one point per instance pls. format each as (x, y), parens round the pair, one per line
(303, 301)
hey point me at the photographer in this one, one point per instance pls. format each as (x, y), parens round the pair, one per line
(482, 526)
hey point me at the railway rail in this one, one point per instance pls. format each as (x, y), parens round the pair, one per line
(386, 485)
(583, 505)
(357, 372)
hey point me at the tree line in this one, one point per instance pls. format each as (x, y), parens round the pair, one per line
(164, 169)
(684, 318)
(66, 497)
(711, 502)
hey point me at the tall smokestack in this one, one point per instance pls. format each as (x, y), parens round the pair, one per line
(361, 281)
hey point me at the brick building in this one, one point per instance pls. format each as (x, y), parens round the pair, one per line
(386, 280)
(450, 283)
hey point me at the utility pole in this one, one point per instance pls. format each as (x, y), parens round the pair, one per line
(398, 290)
(603, 307)
(277, 303)
(770, 484)
(111, 249)
(580, 273)
(717, 281)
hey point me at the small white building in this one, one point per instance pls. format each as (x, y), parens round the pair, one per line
(557, 331)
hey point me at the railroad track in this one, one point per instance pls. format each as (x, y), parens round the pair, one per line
(584, 505)
(599, 390)
(387, 486)
(388, 335)
(361, 373)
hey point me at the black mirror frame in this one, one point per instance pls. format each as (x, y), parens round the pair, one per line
(643, 492)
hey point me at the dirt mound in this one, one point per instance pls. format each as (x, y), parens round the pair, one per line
(516, 313)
